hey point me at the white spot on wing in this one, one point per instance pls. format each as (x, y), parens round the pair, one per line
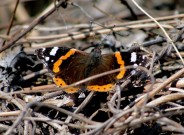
(133, 72)
(47, 58)
(53, 51)
(135, 65)
(133, 57)
(143, 57)
(82, 95)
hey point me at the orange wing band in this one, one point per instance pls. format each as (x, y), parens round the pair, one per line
(103, 88)
(56, 68)
(122, 65)
(59, 82)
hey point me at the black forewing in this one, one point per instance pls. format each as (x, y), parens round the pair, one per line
(48, 60)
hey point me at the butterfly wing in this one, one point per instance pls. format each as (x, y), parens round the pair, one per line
(104, 83)
(111, 62)
(67, 65)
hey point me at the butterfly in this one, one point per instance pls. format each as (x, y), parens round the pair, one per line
(69, 65)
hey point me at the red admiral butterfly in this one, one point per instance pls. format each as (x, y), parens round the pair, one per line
(70, 65)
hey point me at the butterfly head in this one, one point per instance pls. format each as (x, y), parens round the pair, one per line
(96, 52)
